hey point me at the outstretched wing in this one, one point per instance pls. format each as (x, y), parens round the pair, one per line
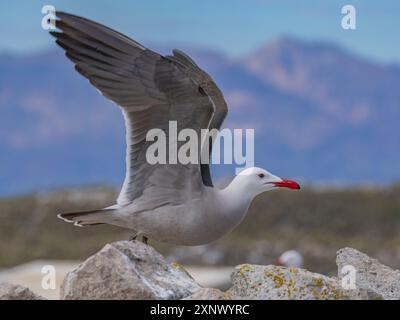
(208, 87)
(151, 90)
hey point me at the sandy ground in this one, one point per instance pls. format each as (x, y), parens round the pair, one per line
(33, 273)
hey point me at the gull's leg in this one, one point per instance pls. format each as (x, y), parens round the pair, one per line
(133, 237)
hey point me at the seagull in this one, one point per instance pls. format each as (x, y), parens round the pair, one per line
(173, 203)
(290, 258)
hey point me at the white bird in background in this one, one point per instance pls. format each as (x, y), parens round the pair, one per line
(290, 258)
(172, 203)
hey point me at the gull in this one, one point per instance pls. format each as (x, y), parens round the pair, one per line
(290, 258)
(174, 203)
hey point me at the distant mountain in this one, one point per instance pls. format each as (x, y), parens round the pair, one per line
(320, 114)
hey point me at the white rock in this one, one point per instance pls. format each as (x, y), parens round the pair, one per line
(369, 274)
(281, 283)
(10, 291)
(128, 270)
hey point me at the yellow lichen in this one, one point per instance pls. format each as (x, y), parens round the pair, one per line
(176, 265)
(338, 295)
(319, 283)
(227, 296)
(245, 268)
(279, 281)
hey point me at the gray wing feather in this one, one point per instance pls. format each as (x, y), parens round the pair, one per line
(151, 90)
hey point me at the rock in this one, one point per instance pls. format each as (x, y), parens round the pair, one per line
(10, 291)
(370, 274)
(209, 294)
(133, 270)
(128, 270)
(280, 283)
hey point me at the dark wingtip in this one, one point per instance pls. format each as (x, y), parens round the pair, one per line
(60, 14)
(55, 34)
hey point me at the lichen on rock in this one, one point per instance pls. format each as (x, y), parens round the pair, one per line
(133, 270)
(280, 283)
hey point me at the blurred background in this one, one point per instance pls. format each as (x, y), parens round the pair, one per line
(324, 102)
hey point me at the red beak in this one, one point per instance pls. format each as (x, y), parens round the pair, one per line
(286, 183)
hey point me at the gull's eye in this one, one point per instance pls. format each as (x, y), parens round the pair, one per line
(261, 175)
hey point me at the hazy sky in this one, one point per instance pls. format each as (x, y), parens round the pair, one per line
(232, 26)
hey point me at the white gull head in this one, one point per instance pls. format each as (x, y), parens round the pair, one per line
(254, 181)
(290, 258)
(233, 202)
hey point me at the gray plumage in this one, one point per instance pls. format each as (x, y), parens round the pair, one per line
(150, 89)
(167, 202)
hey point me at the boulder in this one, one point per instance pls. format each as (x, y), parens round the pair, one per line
(280, 283)
(134, 270)
(369, 273)
(10, 291)
(128, 270)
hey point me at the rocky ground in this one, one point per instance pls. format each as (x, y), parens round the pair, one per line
(133, 270)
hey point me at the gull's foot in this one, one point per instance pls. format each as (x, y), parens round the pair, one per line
(133, 237)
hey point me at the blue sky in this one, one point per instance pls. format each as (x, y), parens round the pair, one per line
(235, 27)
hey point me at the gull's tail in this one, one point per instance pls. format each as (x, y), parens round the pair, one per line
(88, 218)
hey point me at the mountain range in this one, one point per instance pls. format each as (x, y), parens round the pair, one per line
(321, 114)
